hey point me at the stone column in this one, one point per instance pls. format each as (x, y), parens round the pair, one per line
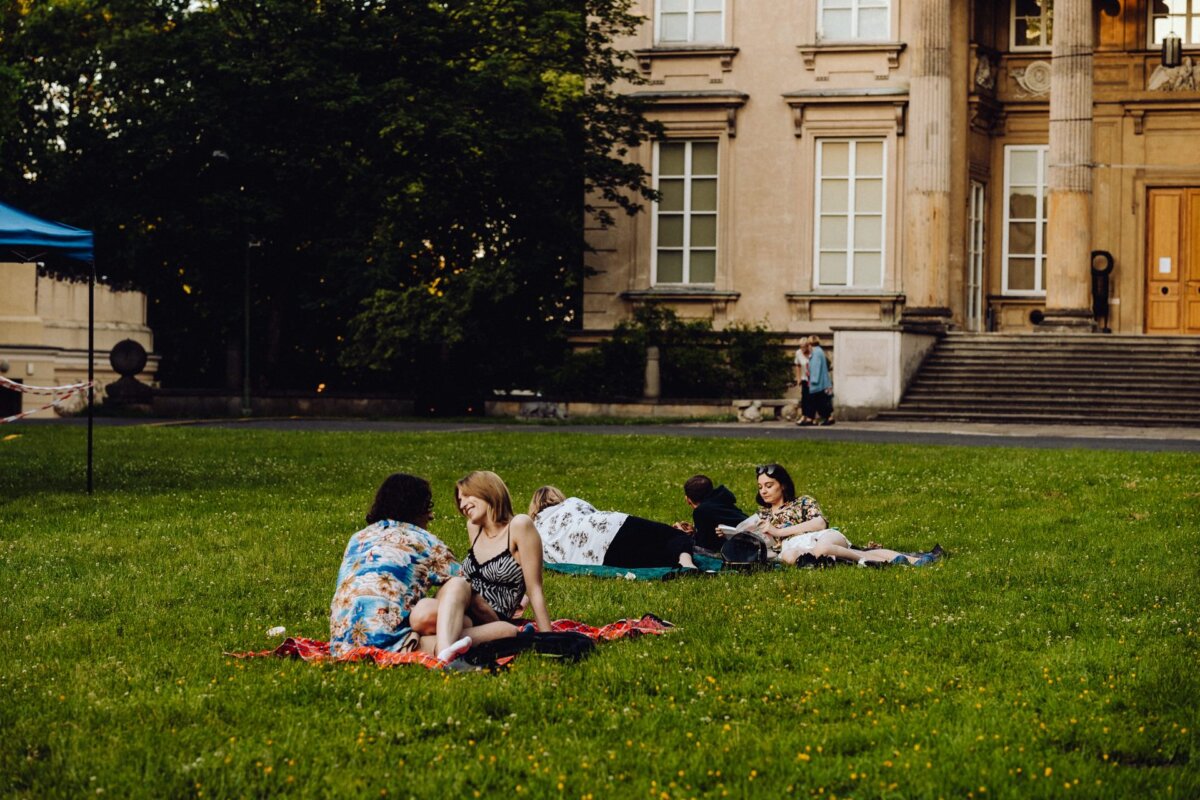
(926, 231)
(1069, 217)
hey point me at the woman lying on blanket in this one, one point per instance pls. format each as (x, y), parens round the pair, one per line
(799, 531)
(386, 570)
(574, 532)
(503, 565)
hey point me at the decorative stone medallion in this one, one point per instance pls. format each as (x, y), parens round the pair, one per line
(1034, 79)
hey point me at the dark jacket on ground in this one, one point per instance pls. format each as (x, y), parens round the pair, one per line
(719, 508)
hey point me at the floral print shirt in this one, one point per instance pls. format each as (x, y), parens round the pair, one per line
(387, 568)
(574, 532)
(802, 509)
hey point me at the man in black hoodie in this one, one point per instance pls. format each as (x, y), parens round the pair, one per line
(711, 506)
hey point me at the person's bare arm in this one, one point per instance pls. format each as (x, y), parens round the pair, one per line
(529, 546)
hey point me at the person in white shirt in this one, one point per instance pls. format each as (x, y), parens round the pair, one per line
(574, 532)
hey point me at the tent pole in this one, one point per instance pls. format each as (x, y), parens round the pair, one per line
(91, 366)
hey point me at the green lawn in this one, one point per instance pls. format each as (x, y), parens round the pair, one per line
(1054, 654)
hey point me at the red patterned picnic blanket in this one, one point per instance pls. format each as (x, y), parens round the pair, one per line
(317, 650)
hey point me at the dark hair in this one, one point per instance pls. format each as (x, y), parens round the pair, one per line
(780, 474)
(401, 497)
(697, 488)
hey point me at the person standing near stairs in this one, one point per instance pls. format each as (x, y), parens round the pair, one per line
(820, 384)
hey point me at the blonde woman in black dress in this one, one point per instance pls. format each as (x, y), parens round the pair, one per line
(503, 565)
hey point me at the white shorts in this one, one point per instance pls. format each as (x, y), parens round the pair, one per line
(805, 542)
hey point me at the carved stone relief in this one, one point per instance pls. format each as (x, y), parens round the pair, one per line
(1184, 78)
(985, 72)
(1034, 79)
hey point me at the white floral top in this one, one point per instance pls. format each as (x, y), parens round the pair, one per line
(574, 532)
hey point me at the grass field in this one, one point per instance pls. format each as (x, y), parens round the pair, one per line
(1054, 654)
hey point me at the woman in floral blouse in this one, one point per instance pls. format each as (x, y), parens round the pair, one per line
(799, 530)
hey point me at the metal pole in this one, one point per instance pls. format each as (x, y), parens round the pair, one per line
(91, 367)
(246, 339)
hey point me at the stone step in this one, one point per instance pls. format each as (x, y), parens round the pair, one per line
(1185, 371)
(996, 402)
(923, 390)
(1124, 381)
(1059, 378)
(1019, 418)
(956, 337)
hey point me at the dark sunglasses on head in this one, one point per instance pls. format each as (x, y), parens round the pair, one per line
(765, 469)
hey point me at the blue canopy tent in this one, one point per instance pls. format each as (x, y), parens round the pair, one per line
(26, 238)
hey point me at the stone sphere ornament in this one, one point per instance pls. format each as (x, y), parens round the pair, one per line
(128, 358)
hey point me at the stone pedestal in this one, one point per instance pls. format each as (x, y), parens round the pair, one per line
(874, 366)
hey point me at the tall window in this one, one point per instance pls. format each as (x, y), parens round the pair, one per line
(850, 210)
(1032, 24)
(685, 217)
(1025, 219)
(849, 20)
(975, 256)
(1179, 16)
(690, 21)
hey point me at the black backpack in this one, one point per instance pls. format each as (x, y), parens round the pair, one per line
(745, 550)
(566, 645)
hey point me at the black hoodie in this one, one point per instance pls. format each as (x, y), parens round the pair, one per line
(719, 508)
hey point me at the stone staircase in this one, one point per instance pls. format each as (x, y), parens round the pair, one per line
(1080, 379)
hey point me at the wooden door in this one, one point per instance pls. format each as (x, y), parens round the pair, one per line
(1173, 262)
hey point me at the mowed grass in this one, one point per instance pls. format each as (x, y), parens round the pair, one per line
(1054, 654)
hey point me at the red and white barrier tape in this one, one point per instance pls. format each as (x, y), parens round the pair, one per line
(25, 389)
(69, 391)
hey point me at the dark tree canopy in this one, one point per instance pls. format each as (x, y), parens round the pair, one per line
(415, 172)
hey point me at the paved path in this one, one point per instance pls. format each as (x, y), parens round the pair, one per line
(916, 433)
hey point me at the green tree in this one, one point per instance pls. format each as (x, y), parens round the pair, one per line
(418, 167)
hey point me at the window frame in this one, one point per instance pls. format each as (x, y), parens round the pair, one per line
(852, 177)
(1047, 29)
(1191, 19)
(976, 253)
(687, 214)
(855, 9)
(1041, 219)
(691, 26)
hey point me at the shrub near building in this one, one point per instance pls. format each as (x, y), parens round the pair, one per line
(696, 361)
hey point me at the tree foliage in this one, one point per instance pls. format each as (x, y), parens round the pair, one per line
(415, 171)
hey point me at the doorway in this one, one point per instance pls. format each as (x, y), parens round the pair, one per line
(1173, 262)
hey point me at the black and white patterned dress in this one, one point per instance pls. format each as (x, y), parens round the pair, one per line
(499, 580)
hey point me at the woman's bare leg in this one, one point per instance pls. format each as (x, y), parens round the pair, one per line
(423, 617)
(881, 555)
(453, 601)
(488, 632)
(685, 561)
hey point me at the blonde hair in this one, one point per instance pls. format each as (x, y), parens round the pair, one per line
(543, 498)
(488, 487)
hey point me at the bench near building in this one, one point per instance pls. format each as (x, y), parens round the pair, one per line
(887, 170)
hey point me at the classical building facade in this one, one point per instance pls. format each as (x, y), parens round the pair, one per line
(911, 166)
(44, 332)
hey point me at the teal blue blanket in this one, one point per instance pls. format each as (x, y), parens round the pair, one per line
(639, 574)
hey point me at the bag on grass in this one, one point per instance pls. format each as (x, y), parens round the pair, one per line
(745, 550)
(553, 644)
